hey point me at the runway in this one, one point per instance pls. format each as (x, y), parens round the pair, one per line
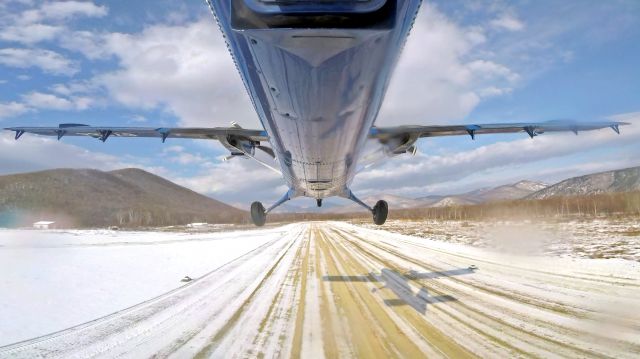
(331, 289)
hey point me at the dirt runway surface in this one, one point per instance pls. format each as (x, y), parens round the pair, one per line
(332, 290)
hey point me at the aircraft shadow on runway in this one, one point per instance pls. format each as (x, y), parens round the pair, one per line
(398, 283)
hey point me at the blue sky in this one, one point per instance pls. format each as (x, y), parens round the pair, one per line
(163, 63)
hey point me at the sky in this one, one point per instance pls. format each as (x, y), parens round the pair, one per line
(164, 63)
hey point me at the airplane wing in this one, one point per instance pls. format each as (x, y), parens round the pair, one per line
(401, 139)
(237, 140)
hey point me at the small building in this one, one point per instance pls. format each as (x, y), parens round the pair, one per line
(44, 225)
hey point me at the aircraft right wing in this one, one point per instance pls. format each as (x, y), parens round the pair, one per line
(401, 139)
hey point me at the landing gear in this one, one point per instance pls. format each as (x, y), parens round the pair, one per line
(258, 214)
(319, 202)
(380, 211)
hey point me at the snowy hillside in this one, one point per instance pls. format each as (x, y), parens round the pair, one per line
(624, 180)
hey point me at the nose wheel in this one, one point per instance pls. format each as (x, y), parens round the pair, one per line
(258, 214)
(380, 211)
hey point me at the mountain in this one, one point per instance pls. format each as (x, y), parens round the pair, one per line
(91, 198)
(449, 201)
(623, 180)
(510, 191)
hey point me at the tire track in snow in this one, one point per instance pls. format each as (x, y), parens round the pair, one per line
(580, 343)
(473, 320)
(337, 290)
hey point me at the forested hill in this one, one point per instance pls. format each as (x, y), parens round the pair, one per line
(91, 198)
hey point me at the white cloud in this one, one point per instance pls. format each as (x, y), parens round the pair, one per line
(33, 153)
(90, 44)
(48, 22)
(52, 102)
(139, 118)
(493, 91)
(435, 81)
(30, 33)
(507, 22)
(12, 109)
(490, 70)
(178, 154)
(185, 70)
(236, 178)
(67, 9)
(47, 60)
(62, 10)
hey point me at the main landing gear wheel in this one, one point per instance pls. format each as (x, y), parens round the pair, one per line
(258, 215)
(380, 211)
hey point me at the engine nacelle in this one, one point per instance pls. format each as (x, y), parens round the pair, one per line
(397, 145)
(244, 145)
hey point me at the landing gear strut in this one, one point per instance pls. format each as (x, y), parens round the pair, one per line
(379, 211)
(259, 214)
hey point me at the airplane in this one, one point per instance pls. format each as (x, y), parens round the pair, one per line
(316, 73)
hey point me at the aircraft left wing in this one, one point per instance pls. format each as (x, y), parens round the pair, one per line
(237, 140)
(401, 139)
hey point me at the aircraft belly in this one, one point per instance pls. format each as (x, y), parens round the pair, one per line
(320, 85)
(317, 93)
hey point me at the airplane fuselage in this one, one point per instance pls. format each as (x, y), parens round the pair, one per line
(316, 81)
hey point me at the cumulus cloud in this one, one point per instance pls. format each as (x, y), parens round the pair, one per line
(11, 109)
(46, 60)
(62, 10)
(30, 33)
(90, 44)
(436, 81)
(52, 102)
(222, 180)
(185, 70)
(47, 21)
(178, 154)
(507, 22)
(33, 153)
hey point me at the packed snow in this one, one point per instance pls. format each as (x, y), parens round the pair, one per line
(52, 280)
(592, 238)
(318, 289)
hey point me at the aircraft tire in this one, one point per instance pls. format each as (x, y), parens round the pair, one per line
(258, 215)
(380, 211)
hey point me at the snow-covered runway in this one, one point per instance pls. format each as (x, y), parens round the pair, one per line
(324, 289)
